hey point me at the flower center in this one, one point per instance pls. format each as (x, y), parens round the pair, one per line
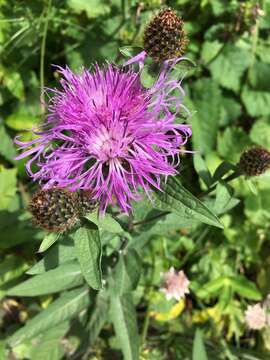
(109, 144)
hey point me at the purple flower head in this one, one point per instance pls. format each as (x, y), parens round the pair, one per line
(108, 134)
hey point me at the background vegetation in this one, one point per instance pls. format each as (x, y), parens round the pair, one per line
(228, 93)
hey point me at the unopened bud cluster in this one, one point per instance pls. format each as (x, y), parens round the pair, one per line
(164, 37)
(58, 210)
(255, 161)
(247, 16)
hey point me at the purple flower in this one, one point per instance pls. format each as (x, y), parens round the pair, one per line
(108, 134)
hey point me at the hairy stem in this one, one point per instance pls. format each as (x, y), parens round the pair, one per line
(42, 55)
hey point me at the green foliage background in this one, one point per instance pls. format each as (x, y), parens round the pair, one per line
(228, 93)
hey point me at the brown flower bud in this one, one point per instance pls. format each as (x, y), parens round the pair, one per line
(86, 203)
(164, 37)
(255, 161)
(55, 209)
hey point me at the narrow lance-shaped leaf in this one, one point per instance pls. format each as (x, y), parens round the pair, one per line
(48, 346)
(177, 199)
(245, 288)
(60, 253)
(48, 241)
(88, 251)
(62, 309)
(99, 316)
(202, 170)
(127, 272)
(199, 352)
(223, 197)
(123, 316)
(63, 277)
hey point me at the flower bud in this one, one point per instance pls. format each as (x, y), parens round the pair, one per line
(164, 37)
(55, 209)
(247, 16)
(86, 203)
(255, 161)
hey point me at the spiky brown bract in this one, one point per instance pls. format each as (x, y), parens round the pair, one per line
(86, 204)
(55, 209)
(164, 37)
(255, 161)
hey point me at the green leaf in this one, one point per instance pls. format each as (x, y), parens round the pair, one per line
(10, 269)
(224, 195)
(260, 133)
(88, 251)
(92, 8)
(14, 83)
(213, 287)
(228, 67)
(225, 297)
(230, 111)
(165, 225)
(232, 143)
(48, 241)
(65, 308)
(48, 346)
(123, 316)
(259, 76)
(7, 149)
(3, 350)
(130, 51)
(199, 352)
(209, 50)
(263, 51)
(99, 316)
(202, 169)
(127, 272)
(177, 199)
(207, 100)
(147, 78)
(63, 277)
(245, 288)
(222, 170)
(105, 223)
(7, 186)
(21, 121)
(58, 254)
(257, 103)
(14, 231)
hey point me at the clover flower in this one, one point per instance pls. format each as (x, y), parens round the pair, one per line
(175, 284)
(107, 134)
(255, 317)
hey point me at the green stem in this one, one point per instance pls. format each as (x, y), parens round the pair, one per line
(146, 325)
(229, 178)
(42, 55)
(148, 295)
(255, 36)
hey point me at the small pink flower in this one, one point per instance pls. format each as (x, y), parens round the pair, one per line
(255, 317)
(175, 284)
